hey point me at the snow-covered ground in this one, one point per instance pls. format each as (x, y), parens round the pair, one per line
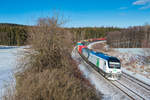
(135, 61)
(137, 51)
(8, 61)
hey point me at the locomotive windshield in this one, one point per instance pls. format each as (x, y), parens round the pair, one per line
(114, 63)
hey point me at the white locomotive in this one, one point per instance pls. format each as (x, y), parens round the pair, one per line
(108, 66)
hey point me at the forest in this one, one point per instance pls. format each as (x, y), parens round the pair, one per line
(13, 34)
(132, 37)
(91, 32)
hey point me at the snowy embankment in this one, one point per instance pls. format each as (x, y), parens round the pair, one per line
(8, 60)
(137, 51)
(135, 63)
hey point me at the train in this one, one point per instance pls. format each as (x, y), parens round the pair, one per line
(108, 66)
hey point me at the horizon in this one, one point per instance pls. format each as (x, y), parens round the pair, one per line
(121, 14)
(82, 26)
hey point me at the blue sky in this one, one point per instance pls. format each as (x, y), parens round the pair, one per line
(78, 13)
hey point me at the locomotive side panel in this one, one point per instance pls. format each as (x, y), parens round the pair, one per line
(93, 59)
(97, 61)
(103, 65)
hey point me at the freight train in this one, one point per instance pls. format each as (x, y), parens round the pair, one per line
(108, 66)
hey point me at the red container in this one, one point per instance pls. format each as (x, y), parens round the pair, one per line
(80, 48)
(101, 39)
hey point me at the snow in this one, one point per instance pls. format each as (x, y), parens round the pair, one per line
(137, 76)
(8, 61)
(137, 51)
(134, 62)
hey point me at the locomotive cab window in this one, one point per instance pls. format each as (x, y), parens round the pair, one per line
(114, 63)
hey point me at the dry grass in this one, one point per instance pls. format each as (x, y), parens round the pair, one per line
(48, 72)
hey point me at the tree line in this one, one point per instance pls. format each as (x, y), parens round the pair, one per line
(132, 37)
(13, 34)
(91, 32)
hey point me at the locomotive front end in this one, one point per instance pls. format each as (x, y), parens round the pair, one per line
(114, 69)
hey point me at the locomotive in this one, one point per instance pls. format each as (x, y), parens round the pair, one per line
(108, 66)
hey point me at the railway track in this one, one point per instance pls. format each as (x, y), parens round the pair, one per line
(132, 94)
(139, 82)
(136, 87)
(130, 86)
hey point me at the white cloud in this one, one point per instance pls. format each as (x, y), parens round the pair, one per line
(141, 2)
(145, 3)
